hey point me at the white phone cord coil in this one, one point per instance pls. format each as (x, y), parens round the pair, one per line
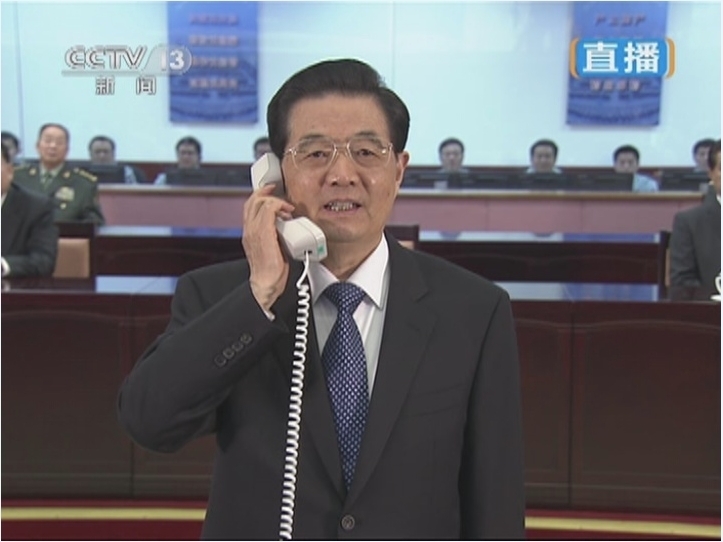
(294, 423)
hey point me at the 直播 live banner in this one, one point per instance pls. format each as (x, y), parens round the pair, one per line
(617, 55)
(222, 84)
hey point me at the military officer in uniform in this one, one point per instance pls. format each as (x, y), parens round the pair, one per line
(74, 190)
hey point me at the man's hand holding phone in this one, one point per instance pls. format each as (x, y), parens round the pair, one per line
(268, 264)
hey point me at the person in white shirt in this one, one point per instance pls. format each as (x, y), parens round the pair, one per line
(626, 159)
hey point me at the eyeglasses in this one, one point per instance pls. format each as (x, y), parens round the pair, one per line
(316, 154)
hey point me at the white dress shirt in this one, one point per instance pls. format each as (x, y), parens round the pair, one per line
(372, 276)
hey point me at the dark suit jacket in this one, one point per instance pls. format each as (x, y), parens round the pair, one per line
(442, 454)
(695, 245)
(29, 233)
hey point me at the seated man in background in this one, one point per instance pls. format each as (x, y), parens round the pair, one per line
(700, 154)
(102, 153)
(451, 156)
(75, 190)
(626, 159)
(188, 156)
(29, 233)
(543, 156)
(12, 143)
(695, 239)
(261, 147)
(242, 177)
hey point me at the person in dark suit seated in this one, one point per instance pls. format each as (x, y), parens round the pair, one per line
(411, 419)
(700, 154)
(102, 152)
(451, 156)
(188, 155)
(695, 239)
(29, 233)
(74, 190)
(543, 157)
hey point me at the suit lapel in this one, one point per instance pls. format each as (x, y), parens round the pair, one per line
(407, 328)
(32, 180)
(12, 212)
(316, 413)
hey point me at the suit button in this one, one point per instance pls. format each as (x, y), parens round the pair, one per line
(228, 353)
(246, 338)
(237, 346)
(220, 361)
(348, 522)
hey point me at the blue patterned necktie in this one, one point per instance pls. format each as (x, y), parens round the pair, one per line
(345, 367)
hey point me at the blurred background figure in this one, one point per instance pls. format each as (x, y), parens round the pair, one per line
(451, 156)
(626, 159)
(261, 147)
(543, 157)
(29, 233)
(696, 236)
(188, 156)
(12, 143)
(102, 153)
(700, 154)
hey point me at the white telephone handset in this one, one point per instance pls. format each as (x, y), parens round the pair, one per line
(304, 241)
(300, 235)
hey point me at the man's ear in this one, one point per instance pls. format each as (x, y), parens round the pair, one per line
(402, 161)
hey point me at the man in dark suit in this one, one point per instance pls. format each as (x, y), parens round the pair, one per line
(410, 420)
(188, 154)
(102, 153)
(74, 190)
(29, 233)
(543, 157)
(695, 241)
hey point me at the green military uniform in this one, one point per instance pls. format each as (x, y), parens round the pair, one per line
(74, 190)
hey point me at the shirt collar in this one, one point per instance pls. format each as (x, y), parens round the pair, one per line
(53, 172)
(369, 276)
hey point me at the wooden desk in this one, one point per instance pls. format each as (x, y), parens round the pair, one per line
(512, 256)
(620, 391)
(447, 210)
